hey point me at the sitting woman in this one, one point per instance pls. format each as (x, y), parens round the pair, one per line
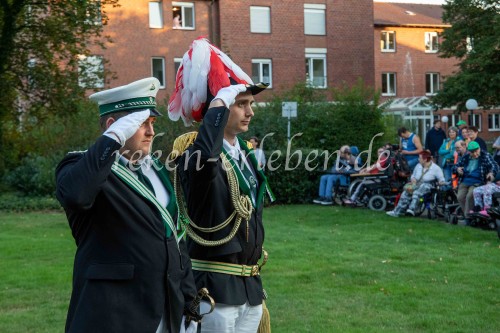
(382, 165)
(424, 174)
(338, 173)
(483, 196)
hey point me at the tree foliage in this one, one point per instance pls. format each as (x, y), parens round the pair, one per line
(41, 42)
(474, 39)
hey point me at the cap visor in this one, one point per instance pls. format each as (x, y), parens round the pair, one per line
(257, 88)
(154, 113)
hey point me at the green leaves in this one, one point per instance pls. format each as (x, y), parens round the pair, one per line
(474, 39)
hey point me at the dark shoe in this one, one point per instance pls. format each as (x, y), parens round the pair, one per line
(327, 202)
(318, 200)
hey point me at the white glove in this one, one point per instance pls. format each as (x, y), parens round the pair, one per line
(125, 127)
(228, 94)
(192, 328)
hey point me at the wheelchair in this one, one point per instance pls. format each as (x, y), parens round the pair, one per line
(441, 201)
(378, 190)
(491, 222)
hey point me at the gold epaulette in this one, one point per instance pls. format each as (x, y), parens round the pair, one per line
(181, 143)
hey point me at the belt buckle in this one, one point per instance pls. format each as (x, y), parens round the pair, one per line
(255, 270)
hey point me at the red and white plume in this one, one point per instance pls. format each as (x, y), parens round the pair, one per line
(203, 67)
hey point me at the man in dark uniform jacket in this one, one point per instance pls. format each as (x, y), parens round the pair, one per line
(131, 273)
(225, 259)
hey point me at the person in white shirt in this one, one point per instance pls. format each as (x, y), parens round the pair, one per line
(422, 179)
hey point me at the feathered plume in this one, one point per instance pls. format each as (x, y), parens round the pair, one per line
(204, 67)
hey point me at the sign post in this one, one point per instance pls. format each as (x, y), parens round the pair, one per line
(289, 110)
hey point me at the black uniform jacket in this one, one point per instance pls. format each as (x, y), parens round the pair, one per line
(208, 200)
(126, 273)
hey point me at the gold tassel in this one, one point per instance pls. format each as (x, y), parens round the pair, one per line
(265, 321)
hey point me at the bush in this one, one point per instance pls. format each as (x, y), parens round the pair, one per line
(353, 119)
(35, 176)
(13, 202)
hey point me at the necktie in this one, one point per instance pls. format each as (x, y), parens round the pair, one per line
(252, 181)
(143, 178)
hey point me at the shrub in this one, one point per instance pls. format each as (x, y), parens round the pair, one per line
(14, 202)
(35, 176)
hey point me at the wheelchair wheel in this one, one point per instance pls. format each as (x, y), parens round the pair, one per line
(377, 203)
(453, 219)
(353, 187)
(419, 209)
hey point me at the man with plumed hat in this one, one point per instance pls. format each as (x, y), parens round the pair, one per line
(222, 185)
(131, 270)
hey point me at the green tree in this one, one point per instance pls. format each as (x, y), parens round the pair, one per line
(474, 39)
(41, 43)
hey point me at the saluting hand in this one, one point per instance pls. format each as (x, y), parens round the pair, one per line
(228, 94)
(125, 127)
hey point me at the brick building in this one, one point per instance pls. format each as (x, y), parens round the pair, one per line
(392, 46)
(408, 69)
(281, 41)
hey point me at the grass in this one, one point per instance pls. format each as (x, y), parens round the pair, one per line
(331, 269)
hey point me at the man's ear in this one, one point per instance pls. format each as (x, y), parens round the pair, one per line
(109, 122)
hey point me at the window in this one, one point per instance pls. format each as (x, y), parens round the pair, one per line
(155, 15)
(469, 41)
(431, 83)
(93, 12)
(314, 19)
(494, 122)
(388, 84)
(475, 120)
(455, 118)
(158, 69)
(316, 67)
(260, 19)
(262, 71)
(388, 41)
(177, 64)
(90, 72)
(431, 42)
(183, 15)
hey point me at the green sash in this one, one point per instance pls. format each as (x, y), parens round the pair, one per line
(126, 175)
(243, 181)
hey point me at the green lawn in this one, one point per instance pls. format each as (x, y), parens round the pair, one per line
(331, 269)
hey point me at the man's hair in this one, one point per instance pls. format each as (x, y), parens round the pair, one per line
(115, 116)
(437, 121)
(473, 129)
(402, 130)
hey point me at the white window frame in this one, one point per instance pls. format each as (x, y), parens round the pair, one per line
(260, 20)
(385, 39)
(95, 61)
(430, 47)
(183, 6)
(388, 76)
(162, 79)
(262, 63)
(475, 121)
(492, 119)
(455, 118)
(311, 55)
(314, 25)
(431, 90)
(155, 15)
(177, 61)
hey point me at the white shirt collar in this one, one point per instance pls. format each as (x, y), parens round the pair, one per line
(233, 151)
